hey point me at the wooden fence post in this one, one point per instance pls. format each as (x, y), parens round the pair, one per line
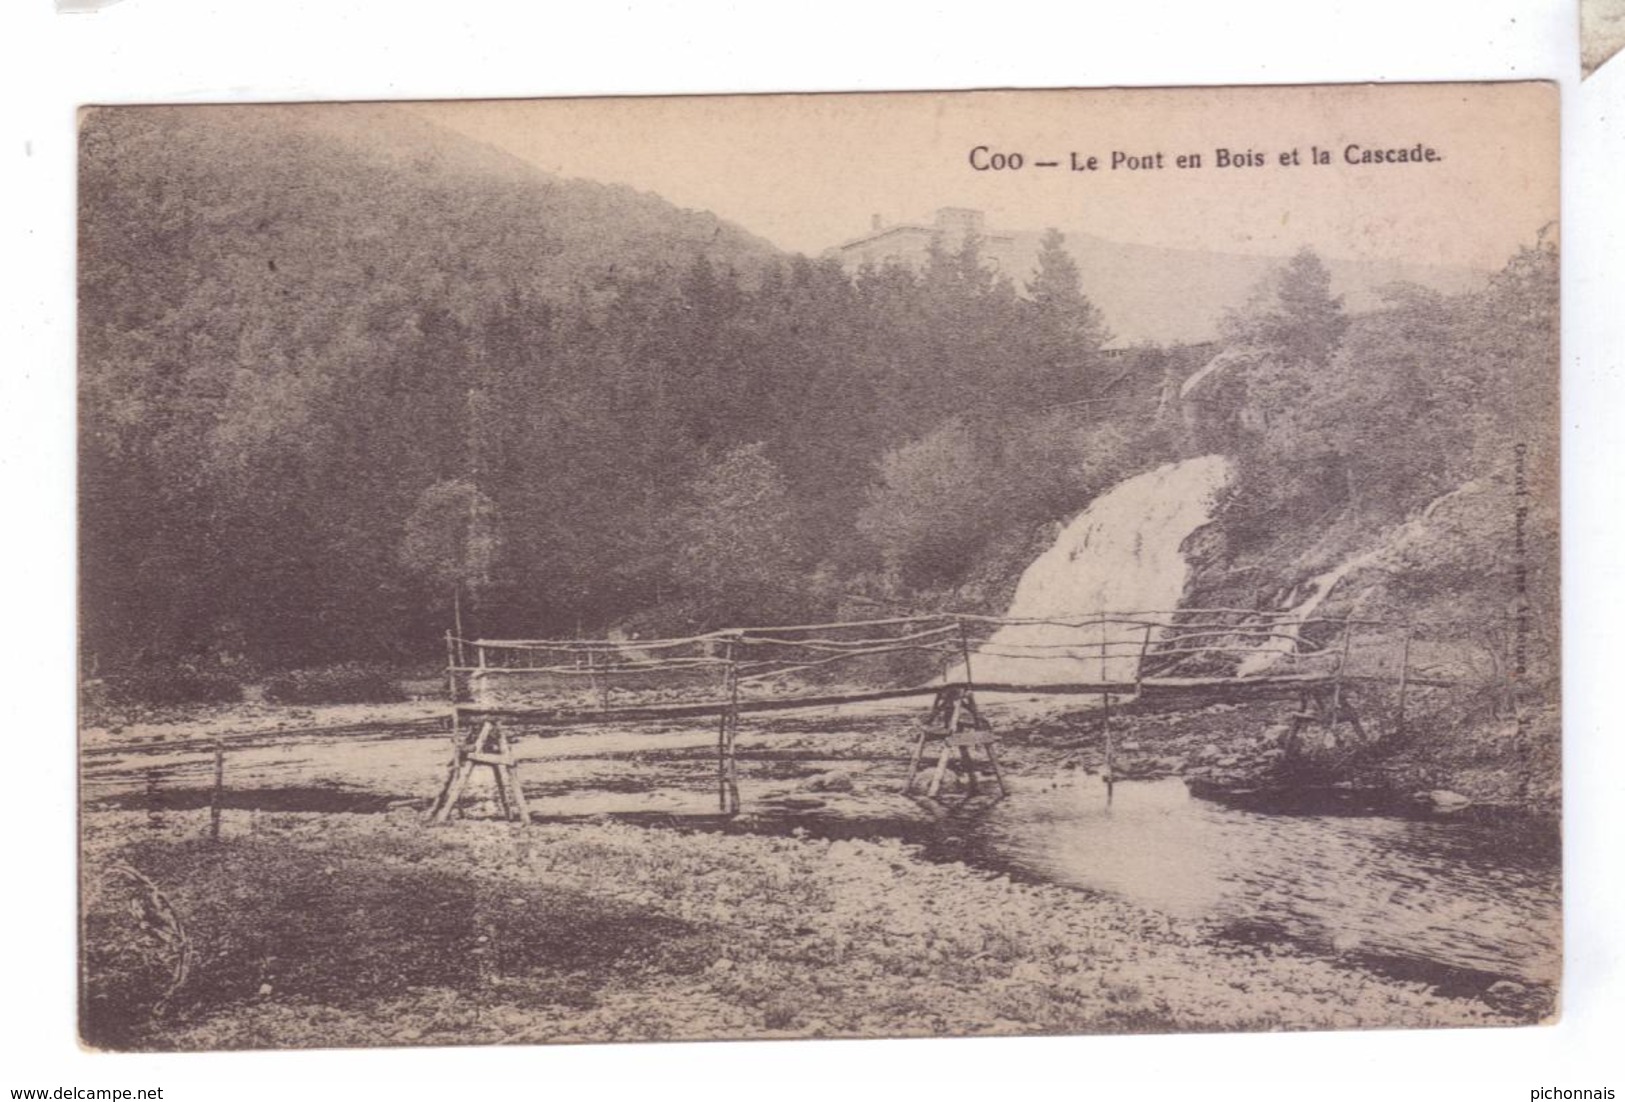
(727, 734)
(218, 792)
(1145, 649)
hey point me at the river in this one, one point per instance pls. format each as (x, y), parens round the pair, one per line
(1459, 902)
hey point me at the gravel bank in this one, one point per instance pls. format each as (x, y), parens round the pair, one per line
(335, 929)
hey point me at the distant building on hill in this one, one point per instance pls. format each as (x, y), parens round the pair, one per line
(1149, 293)
(910, 244)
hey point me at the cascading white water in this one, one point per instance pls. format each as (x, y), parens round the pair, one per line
(1321, 586)
(1121, 554)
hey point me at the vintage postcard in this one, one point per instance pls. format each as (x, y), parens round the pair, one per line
(932, 564)
(1602, 32)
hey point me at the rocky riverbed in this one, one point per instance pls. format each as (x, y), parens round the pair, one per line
(321, 929)
(329, 913)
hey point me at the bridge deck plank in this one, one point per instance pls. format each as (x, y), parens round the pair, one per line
(1150, 689)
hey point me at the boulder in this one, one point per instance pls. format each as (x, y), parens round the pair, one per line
(1275, 735)
(832, 781)
(1445, 801)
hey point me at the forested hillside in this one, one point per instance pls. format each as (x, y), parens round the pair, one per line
(1163, 295)
(1414, 446)
(331, 379)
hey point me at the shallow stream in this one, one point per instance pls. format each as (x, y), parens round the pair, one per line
(1459, 902)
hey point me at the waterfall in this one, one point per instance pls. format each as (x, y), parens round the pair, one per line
(1321, 585)
(1121, 554)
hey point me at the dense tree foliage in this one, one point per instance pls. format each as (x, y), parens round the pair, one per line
(1348, 428)
(327, 393)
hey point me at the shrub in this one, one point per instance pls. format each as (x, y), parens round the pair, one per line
(349, 684)
(170, 685)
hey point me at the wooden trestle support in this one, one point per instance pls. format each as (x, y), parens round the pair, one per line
(957, 724)
(727, 735)
(1327, 706)
(1324, 708)
(487, 745)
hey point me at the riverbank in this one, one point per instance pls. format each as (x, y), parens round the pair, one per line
(106, 727)
(308, 930)
(1500, 767)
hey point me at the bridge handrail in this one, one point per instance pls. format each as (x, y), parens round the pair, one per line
(945, 622)
(1158, 643)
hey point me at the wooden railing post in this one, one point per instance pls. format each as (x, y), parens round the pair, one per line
(1337, 682)
(437, 809)
(451, 689)
(1145, 649)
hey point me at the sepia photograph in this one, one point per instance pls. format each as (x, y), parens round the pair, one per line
(932, 564)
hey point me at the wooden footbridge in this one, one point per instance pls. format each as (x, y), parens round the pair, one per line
(1177, 658)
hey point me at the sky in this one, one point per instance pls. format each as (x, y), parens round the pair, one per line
(807, 171)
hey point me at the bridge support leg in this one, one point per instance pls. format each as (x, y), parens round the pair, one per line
(968, 767)
(441, 796)
(488, 746)
(1319, 708)
(914, 761)
(941, 771)
(462, 766)
(511, 767)
(993, 760)
(962, 729)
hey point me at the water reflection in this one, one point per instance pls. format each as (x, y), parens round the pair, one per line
(1479, 898)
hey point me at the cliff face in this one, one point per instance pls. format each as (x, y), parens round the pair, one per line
(1461, 597)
